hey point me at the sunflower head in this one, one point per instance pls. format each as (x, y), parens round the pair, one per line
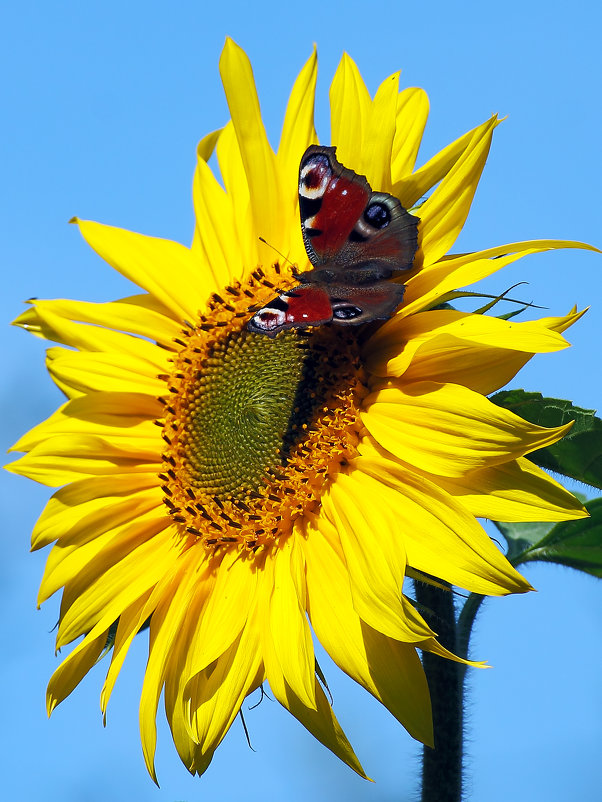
(232, 488)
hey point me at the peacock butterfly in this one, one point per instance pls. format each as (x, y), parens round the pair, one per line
(355, 239)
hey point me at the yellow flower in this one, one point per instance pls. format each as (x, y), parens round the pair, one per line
(233, 489)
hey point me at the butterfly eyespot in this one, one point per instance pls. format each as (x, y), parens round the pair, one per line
(316, 173)
(346, 312)
(377, 215)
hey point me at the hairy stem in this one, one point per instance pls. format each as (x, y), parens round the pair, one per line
(466, 620)
(442, 766)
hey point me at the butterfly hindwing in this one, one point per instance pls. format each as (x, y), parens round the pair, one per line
(354, 305)
(302, 306)
(316, 304)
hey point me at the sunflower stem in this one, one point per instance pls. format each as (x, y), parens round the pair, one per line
(466, 620)
(442, 766)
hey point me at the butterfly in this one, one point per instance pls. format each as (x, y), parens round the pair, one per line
(355, 239)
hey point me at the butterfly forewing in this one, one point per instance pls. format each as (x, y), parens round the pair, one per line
(331, 200)
(344, 223)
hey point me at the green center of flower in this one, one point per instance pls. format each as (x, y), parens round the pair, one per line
(256, 427)
(243, 409)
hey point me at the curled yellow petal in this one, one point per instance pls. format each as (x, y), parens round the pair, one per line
(448, 429)
(515, 491)
(440, 536)
(369, 657)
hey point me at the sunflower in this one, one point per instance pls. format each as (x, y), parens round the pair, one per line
(229, 489)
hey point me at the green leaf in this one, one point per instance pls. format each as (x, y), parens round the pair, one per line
(521, 537)
(510, 315)
(576, 544)
(579, 453)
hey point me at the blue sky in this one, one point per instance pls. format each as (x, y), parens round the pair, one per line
(103, 105)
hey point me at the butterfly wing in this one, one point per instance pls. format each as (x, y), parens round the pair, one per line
(315, 304)
(354, 238)
(355, 305)
(347, 226)
(303, 306)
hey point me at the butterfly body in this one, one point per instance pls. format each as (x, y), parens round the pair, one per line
(355, 239)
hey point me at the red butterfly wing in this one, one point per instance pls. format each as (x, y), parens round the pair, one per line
(346, 225)
(303, 306)
(330, 203)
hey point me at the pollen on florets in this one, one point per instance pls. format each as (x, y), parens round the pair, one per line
(255, 427)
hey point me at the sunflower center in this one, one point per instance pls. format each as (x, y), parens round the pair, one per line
(242, 410)
(256, 427)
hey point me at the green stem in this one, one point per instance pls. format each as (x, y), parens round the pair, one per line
(442, 766)
(466, 620)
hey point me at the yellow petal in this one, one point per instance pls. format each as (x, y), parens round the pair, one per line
(69, 458)
(130, 622)
(291, 636)
(194, 757)
(225, 612)
(128, 315)
(388, 669)
(447, 429)
(266, 198)
(514, 491)
(83, 544)
(96, 339)
(429, 284)
(74, 668)
(83, 540)
(441, 538)
(530, 336)
(444, 213)
(174, 599)
(485, 368)
(349, 108)
(435, 647)
(204, 149)
(298, 131)
(412, 114)
(214, 697)
(412, 187)
(95, 599)
(320, 719)
(323, 725)
(163, 268)
(375, 559)
(473, 350)
(90, 504)
(215, 228)
(83, 372)
(380, 132)
(232, 169)
(124, 419)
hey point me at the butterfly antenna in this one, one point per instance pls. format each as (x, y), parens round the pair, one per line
(286, 259)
